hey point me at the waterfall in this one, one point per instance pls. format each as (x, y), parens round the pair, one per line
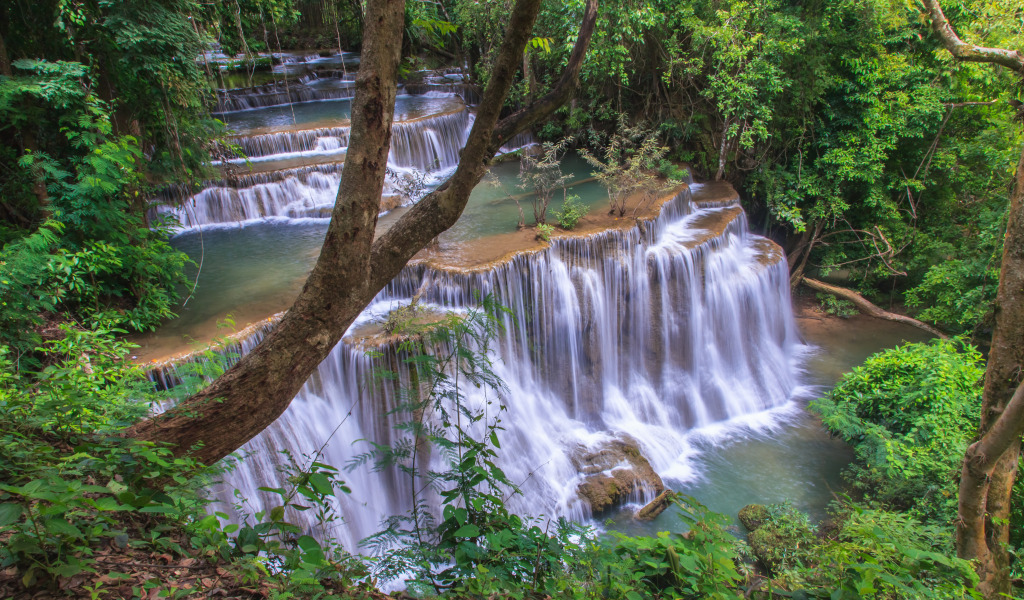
(280, 93)
(430, 145)
(305, 194)
(653, 332)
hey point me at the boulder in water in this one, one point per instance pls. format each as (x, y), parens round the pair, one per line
(615, 473)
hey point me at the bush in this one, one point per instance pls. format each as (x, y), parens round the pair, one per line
(909, 413)
(883, 554)
(672, 171)
(572, 211)
(705, 562)
(783, 538)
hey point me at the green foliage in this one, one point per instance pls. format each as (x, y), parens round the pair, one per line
(475, 545)
(882, 554)
(629, 155)
(836, 306)
(69, 486)
(783, 539)
(705, 562)
(959, 287)
(909, 412)
(542, 174)
(544, 232)
(672, 171)
(572, 211)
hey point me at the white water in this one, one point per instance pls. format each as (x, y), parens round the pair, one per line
(428, 145)
(647, 334)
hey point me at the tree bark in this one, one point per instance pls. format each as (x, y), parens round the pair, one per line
(5, 61)
(990, 465)
(352, 268)
(1011, 59)
(868, 307)
(802, 253)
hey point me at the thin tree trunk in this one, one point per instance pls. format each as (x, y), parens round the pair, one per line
(722, 152)
(5, 60)
(352, 268)
(803, 252)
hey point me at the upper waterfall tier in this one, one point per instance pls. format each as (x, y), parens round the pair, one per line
(297, 171)
(675, 322)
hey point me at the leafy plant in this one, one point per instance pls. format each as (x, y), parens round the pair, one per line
(572, 211)
(909, 413)
(704, 562)
(544, 232)
(839, 307)
(629, 155)
(542, 174)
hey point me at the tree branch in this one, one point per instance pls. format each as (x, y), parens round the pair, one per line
(543, 107)
(1008, 428)
(440, 209)
(351, 268)
(866, 306)
(1011, 59)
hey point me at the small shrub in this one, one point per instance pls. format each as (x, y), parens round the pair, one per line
(784, 538)
(672, 171)
(883, 554)
(836, 306)
(544, 232)
(572, 211)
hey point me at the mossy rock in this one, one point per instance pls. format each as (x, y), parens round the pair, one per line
(614, 472)
(784, 536)
(753, 515)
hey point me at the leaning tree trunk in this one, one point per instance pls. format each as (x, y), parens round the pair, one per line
(352, 267)
(990, 464)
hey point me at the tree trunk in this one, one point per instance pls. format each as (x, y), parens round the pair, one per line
(5, 61)
(983, 527)
(802, 253)
(990, 465)
(870, 308)
(258, 389)
(352, 268)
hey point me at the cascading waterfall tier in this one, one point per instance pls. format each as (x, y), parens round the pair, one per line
(281, 92)
(428, 145)
(647, 334)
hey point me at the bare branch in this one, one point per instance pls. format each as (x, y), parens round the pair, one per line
(1011, 59)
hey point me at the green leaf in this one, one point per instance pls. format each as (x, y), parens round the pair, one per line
(308, 543)
(9, 513)
(59, 526)
(468, 531)
(321, 484)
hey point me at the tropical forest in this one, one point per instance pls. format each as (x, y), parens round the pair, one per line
(511, 299)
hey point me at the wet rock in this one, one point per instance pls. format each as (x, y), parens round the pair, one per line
(616, 472)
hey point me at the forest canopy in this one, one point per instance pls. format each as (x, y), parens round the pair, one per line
(878, 148)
